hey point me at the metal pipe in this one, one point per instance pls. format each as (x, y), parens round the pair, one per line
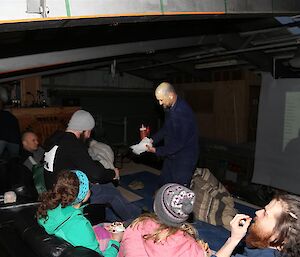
(125, 131)
(253, 32)
(274, 67)
(272, 40)
(218, 54)
(291, 48)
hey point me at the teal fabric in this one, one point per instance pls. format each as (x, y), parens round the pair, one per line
(69, 224)
(38, 178)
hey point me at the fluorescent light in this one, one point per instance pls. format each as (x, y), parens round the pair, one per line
(218, 64)
(205, 51)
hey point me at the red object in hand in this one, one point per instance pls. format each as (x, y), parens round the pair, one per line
(148, 131)
(143, 132)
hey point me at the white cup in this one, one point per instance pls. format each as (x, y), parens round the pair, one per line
(10, 197)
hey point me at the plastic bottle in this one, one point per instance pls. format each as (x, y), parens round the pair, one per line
(148, 131)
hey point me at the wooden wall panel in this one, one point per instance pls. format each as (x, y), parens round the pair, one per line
(231, 111)
(221, 107)
(29, 88)
(201, 101)
(206, 123)
(43, 121)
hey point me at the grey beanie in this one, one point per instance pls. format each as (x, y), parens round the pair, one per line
(81, 120)
(173, 203)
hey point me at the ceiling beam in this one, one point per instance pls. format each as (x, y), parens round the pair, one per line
(49, 59)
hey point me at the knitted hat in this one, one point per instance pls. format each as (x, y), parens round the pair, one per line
(173, 203)
(83, 186)
(81, 120)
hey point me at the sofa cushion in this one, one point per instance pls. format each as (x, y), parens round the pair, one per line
(11, 245)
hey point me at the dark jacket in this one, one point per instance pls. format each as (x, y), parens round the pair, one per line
(180, 133)
(9, 129)
(71, 153)
(180, 148)
(36, 155)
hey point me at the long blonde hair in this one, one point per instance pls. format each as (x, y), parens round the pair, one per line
(163, 231)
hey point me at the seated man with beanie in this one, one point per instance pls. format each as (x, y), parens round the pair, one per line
(67, 150)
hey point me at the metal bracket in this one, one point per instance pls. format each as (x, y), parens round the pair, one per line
(37, 6)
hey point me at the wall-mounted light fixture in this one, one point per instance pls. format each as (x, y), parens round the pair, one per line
(37, 6)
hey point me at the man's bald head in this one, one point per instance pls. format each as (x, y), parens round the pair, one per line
(165, 94)
(165, 88)
(30, 141)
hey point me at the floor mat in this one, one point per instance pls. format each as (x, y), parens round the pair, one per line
(130, 196)
(149, 180)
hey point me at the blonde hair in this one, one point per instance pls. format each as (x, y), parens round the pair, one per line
(163, 231)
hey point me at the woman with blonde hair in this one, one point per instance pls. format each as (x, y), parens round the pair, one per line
(166, 232)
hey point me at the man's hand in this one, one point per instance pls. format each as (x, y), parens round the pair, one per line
(117, 172)
(239, 225)
(151, 149)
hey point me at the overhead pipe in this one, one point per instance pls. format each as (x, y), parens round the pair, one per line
(291, 48)
(253, 32)
(272, 40)
(50, 59)
(219, 54)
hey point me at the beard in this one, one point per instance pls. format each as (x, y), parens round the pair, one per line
(82, 137)
(257, 237)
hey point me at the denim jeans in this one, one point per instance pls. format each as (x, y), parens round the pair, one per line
(178, 171)
(109, 194)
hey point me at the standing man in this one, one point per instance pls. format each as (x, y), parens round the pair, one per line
(180, 136)
(275, 231)
(67, 150)
(9, 128)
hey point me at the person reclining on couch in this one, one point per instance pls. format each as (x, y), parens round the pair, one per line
(275, 231)
(61, 214)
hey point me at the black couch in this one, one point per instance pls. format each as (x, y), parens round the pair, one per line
(20, 234)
